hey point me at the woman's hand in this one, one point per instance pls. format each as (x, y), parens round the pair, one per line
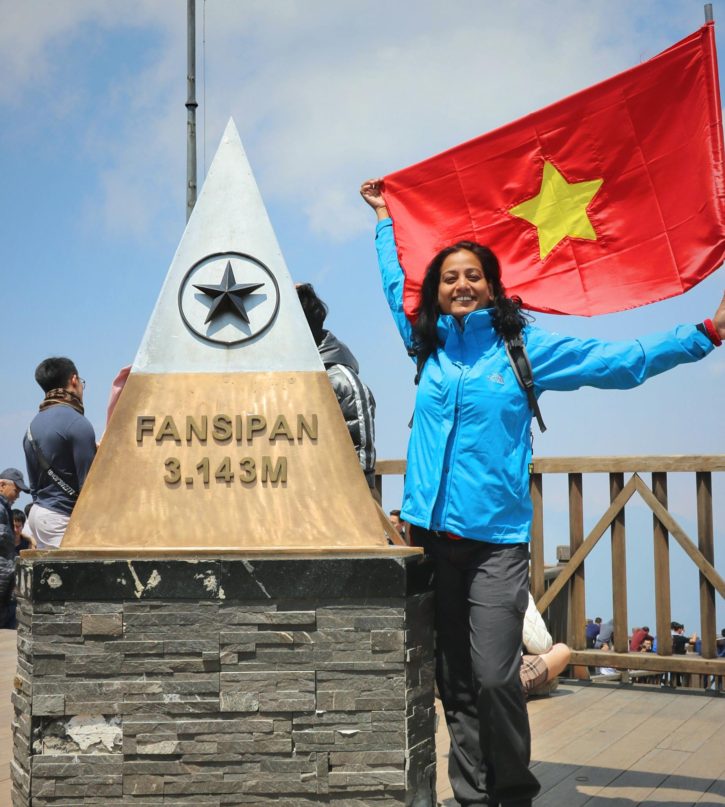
(718, 319)
(371, 192)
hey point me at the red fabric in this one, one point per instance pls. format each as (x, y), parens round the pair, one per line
(653, 134)
(119, 382)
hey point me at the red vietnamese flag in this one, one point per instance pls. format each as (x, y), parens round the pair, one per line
(609, 199)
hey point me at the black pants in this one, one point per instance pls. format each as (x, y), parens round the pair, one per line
(481, 597)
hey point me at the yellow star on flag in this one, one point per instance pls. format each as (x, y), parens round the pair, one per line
(559, 210)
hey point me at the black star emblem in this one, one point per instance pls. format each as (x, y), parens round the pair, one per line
(228, 296)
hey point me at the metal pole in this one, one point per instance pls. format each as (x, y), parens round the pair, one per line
(191, 106)
(708, 12)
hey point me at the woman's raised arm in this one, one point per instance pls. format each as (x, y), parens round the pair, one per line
(390, 270)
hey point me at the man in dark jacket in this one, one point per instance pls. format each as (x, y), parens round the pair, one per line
(59, 448)
(355, 399)
(11, 485)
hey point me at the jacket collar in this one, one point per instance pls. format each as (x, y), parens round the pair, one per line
(333, 351)
(476, 327)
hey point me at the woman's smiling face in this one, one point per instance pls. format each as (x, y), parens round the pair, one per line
(462, 287)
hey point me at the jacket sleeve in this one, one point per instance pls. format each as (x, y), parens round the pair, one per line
(393, 278)
(7, 539)
(31, 464)
(84, 449)
(565, 363)
(358, 408)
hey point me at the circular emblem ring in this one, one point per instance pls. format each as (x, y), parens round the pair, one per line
(241, 304)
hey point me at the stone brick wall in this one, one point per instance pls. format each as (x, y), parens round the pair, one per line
(217, 682)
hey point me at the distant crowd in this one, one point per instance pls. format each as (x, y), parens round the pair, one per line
(600, 636)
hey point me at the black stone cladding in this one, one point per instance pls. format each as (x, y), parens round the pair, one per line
(224, 681)
(331, 578)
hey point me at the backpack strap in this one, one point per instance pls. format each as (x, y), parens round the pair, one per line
(46, 467)
(521, 365)
(414, 354)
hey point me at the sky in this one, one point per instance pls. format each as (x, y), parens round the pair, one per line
(324, 94)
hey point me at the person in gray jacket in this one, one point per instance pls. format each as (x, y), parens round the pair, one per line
(605, 635)
(60, 445)
(355, 398)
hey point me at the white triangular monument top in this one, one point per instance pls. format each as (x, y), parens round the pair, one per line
(228, 226)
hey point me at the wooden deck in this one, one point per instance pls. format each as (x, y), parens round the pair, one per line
(594, 746)
(605, 746)
(8, 656)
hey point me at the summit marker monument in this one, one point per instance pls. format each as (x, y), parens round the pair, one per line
(225, 623)
(227, 431)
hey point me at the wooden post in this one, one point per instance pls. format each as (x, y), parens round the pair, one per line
(577, 610)
(619, 569)
(662, 569)
(706, 545)
(537, 537)
(379, 487)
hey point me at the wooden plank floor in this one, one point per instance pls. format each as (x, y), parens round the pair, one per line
(8, 655)
(593, 746)
(611, 747)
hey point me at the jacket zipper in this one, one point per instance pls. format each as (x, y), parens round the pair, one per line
(452, 441)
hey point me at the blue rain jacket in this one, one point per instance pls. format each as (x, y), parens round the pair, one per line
(469, 448)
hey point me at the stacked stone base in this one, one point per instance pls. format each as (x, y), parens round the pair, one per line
(290, 682)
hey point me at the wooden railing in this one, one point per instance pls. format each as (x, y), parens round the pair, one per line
(570, 579)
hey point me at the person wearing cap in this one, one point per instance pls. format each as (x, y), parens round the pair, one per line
(12, 485)
(60, 445)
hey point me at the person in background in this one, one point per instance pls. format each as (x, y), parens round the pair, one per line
(605, 635)
(22, 539)
(638, 636)
(355, 398)
(680, 642)
(12, 484)
(542, 660)
(59, 446)
(591, 631)
(398, 523)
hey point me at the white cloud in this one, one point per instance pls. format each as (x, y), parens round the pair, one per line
(324, 94)
(327, 98)
(38, 36)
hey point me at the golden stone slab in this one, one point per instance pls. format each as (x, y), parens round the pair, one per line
(226, 461)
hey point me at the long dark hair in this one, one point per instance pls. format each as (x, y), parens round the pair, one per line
(507, 317)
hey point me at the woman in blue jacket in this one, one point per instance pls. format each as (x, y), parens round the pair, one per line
(467, 487)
